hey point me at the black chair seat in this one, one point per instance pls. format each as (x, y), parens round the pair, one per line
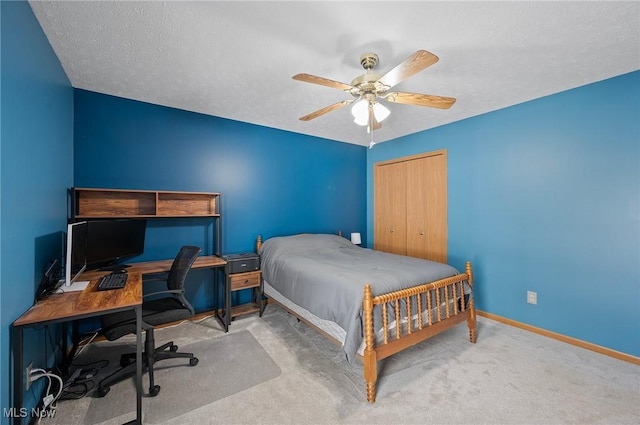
(154, 313)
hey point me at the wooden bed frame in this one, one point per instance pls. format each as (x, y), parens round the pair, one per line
(417, 329)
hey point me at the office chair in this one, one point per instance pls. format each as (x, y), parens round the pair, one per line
(158, 311)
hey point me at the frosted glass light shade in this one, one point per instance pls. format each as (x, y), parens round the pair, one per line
(380, 111)
(360, 111)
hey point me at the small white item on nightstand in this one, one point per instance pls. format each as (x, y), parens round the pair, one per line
(355, 239)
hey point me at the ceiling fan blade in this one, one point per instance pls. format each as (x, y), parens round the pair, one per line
(432, 101)
(308, 78)
(412, 65)
(325, 110)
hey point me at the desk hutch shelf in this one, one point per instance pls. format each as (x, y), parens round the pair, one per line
(119, 203)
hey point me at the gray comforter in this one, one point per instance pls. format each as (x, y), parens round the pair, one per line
(326, 275)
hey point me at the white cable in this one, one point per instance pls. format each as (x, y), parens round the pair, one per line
(84, 344)
(40, 373)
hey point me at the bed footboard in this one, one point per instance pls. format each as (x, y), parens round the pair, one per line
(417, 313)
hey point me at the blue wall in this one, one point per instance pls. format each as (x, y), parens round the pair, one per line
(545, 196)
(36, 166)
(272, 182)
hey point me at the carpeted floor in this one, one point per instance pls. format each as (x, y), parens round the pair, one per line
(509, 376)
(219, 359)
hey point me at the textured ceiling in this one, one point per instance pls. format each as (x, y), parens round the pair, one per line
(235, 59)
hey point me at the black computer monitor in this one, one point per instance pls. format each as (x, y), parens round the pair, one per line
(111, 241)
(76, 251)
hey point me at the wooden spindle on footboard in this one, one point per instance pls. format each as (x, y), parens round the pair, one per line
(397, 309)
(385, 323)
(438, 305)
(419, 311)
(409, 316)
(455, 297)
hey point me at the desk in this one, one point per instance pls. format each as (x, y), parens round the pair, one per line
(90, 302)
(71, 306)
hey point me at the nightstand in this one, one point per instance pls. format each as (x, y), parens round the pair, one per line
(241, 272)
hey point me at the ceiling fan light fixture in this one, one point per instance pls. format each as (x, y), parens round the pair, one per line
(360, 111)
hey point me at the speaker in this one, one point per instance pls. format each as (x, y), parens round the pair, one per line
(50, 279)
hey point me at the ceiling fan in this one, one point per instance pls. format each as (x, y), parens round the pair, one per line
(369, 88)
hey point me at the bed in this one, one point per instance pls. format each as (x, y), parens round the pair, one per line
(373, 304)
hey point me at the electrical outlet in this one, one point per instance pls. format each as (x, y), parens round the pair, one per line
(27, 375)
(532, 297)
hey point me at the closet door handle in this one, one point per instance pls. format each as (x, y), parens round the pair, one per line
(391, 231)
(421, 233)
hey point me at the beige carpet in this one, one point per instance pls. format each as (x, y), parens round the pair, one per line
(509, 376)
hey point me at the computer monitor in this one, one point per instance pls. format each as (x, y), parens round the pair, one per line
(111, 241)
(76, 251)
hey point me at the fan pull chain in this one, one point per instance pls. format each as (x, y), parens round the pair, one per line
(371, 143)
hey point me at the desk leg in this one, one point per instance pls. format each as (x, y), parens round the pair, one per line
(139, 364)
(224, 318)
(227, 302)
(138, 419)
(216, 288)
(18, 373)
(261, 301)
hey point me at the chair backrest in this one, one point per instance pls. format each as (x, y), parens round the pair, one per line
(181, 266)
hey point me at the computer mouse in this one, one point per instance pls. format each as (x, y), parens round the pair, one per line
(120, 271)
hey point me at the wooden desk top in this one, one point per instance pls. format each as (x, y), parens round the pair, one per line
(85, 303)
(91, 302)
(161, 266)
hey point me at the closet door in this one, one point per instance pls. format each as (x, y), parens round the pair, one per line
(390, 208)
(427, 207)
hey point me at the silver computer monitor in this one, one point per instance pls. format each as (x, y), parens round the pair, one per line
(76, 251)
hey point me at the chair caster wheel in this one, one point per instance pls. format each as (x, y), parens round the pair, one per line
(193, 361)
(153, 391)
(173, 348)
(101, 392)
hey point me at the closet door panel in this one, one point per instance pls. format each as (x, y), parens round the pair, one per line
(427, 208)
(417, 205)
(390, 199)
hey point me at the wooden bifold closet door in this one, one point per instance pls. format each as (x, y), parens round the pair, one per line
(410, 206)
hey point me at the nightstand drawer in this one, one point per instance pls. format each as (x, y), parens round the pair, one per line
(244, 280)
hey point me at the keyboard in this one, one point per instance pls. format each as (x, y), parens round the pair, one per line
(112, 281)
